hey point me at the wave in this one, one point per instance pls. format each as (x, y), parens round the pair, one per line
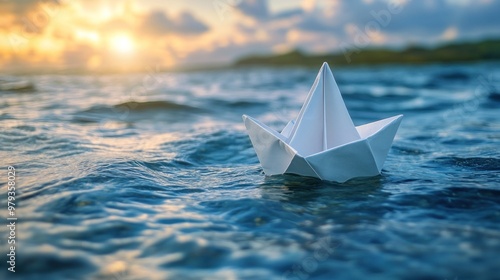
(154, 105)
(494, 96)
(475, 163)
(238, 103)
(134, 106)
(17, 86)
(453, 76)
(371, 98)
(220, 147)
(133, 110)
(441, 80)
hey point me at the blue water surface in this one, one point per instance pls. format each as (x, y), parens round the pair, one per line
(152, 176)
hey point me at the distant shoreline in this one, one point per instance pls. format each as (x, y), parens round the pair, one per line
(485, 50)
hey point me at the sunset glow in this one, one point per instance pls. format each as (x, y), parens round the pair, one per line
(122, 43)
(107, 33)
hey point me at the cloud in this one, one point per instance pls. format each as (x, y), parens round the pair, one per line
(479, 17)
(313, 22)
(256, 9)
(158, 23)
(78, 31)
(427, 22)
(31, 15)
(422, 19)
(20, 6)
(289, 14)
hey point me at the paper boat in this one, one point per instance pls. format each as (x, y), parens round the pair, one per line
(322, 141)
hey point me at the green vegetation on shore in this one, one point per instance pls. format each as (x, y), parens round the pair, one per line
(455, 52)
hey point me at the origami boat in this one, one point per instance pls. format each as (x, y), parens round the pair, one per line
(322, 141)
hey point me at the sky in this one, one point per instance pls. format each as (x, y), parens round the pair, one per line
(99, 34)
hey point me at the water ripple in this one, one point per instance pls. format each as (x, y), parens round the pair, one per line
(167, 185)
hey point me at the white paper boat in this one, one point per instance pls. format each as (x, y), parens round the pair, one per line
(322, 141)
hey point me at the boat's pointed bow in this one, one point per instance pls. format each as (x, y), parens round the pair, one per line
(273, 153)
(381, 138)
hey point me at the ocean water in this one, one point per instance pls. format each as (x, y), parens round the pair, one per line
(152, 176)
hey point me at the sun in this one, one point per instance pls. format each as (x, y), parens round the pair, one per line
(122, 43)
